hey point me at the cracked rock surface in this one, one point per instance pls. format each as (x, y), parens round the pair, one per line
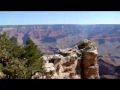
(79, 62)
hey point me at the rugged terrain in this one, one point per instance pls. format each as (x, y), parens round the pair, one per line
(51, 37)
(79, 62)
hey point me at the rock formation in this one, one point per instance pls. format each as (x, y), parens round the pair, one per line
(79, 62)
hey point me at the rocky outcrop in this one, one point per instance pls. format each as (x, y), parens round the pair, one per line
(79, 62)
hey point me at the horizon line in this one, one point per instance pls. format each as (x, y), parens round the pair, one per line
(55, 24)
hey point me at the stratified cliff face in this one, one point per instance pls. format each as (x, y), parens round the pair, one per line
(79, 62)
(51, 37)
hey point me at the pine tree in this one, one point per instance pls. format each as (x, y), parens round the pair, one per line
(33, 57)
(18, 62)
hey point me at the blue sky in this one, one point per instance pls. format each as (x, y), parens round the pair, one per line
(59, 17)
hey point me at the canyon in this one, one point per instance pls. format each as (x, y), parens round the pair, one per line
(51, 38)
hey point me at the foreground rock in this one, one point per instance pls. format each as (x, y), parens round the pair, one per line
(79, 62)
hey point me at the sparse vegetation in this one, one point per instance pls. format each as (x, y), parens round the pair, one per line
(85, 44)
